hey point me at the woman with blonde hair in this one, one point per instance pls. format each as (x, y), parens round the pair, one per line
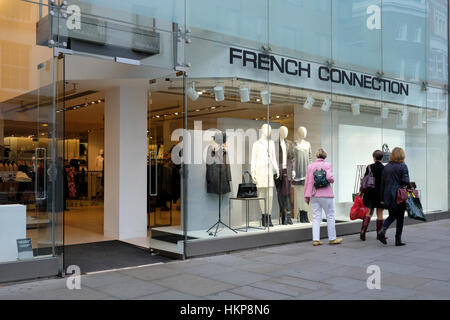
(319, 193)
(395, 175)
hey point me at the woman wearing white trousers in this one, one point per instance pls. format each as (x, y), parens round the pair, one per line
(321, 197)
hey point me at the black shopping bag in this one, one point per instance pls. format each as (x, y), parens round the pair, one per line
(414, 207)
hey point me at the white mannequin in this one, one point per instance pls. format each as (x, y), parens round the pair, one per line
(99, 161)
(264, 166)
(301, 144)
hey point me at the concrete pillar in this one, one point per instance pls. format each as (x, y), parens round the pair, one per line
(125, 211)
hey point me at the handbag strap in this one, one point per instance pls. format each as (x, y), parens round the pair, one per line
(249, 175)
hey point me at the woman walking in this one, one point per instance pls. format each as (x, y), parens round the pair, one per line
(319, 194)
(395, 175)
(372, 197)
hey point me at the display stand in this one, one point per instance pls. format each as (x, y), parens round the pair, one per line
(247, 212)
(220, 222)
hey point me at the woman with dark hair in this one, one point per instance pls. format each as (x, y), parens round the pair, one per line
(395, 175)
(372, 197)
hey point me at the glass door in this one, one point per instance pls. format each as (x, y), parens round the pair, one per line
(48, 154)
(165, 115)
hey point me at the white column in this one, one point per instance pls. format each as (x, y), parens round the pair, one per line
(125, 162)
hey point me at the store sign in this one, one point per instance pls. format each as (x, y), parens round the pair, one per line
(261, 61)
(24, 249)
(210, 60)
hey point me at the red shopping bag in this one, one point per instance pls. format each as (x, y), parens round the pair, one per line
(358, 210)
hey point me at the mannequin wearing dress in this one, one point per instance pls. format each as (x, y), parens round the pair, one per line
(264, 168)
(287, 175)
(303, 157)
(99, 161)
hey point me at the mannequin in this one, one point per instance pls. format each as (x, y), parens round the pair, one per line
(99, 161)
(303, 158)
(99, 167)
(287, 175)
(264, 168)
(218, 172)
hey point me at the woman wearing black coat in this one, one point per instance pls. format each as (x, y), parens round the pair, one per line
(395, 175)
(372, 198)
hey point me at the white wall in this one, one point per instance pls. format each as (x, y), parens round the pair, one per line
(125, 213)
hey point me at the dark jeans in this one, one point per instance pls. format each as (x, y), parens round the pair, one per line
(398, 213)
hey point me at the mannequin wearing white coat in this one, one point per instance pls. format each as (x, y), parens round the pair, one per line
(263, 169)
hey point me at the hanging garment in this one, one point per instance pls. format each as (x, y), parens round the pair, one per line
(303, 158)
(218, 171)
(263, 163)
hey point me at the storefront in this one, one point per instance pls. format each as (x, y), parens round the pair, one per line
(199, 96)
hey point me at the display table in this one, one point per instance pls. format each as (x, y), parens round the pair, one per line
(247, 212)
(13, 226)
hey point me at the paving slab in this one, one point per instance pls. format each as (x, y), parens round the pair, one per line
(193, 284)
(130, 289)
(259, 294)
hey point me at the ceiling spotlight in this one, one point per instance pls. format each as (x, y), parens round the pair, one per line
(384, 112)
(309, 102)
(326, 104)
(192, 94)
(265, 97)
(356, 109)
(244, 94)
(219, 93)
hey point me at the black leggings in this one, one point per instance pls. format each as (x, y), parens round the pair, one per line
(398, 213)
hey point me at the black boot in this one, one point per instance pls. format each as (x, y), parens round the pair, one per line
(270, 220)
(288, 218)
(398, 241)
(382, 235)
(283, 218)
(306, 217)
(264, 220)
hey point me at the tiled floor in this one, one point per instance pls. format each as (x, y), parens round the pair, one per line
(298, 271)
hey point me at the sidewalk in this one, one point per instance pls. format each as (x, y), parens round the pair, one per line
(419, 270)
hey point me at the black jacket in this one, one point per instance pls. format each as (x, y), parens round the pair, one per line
(218, 171)
(395, 175)
(372, 197)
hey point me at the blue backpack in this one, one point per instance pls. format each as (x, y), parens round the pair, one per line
(320, 179)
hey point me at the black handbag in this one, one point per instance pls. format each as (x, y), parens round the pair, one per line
(386, 153)
(247, 189)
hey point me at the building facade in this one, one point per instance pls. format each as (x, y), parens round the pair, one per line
(147, 117)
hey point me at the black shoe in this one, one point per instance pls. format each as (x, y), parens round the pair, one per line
(283, 218)
(382, 235)
(306, 217)
(288, 218)
(270, 220)
(398, 241)
(264, 220)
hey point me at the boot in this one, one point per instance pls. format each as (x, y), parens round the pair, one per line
(398, 241)
(288, 218)
(283, 218)
(379, 226)
(365, 224)
(264, 220)
(270, 220)
(382, 235)
(306, 217)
